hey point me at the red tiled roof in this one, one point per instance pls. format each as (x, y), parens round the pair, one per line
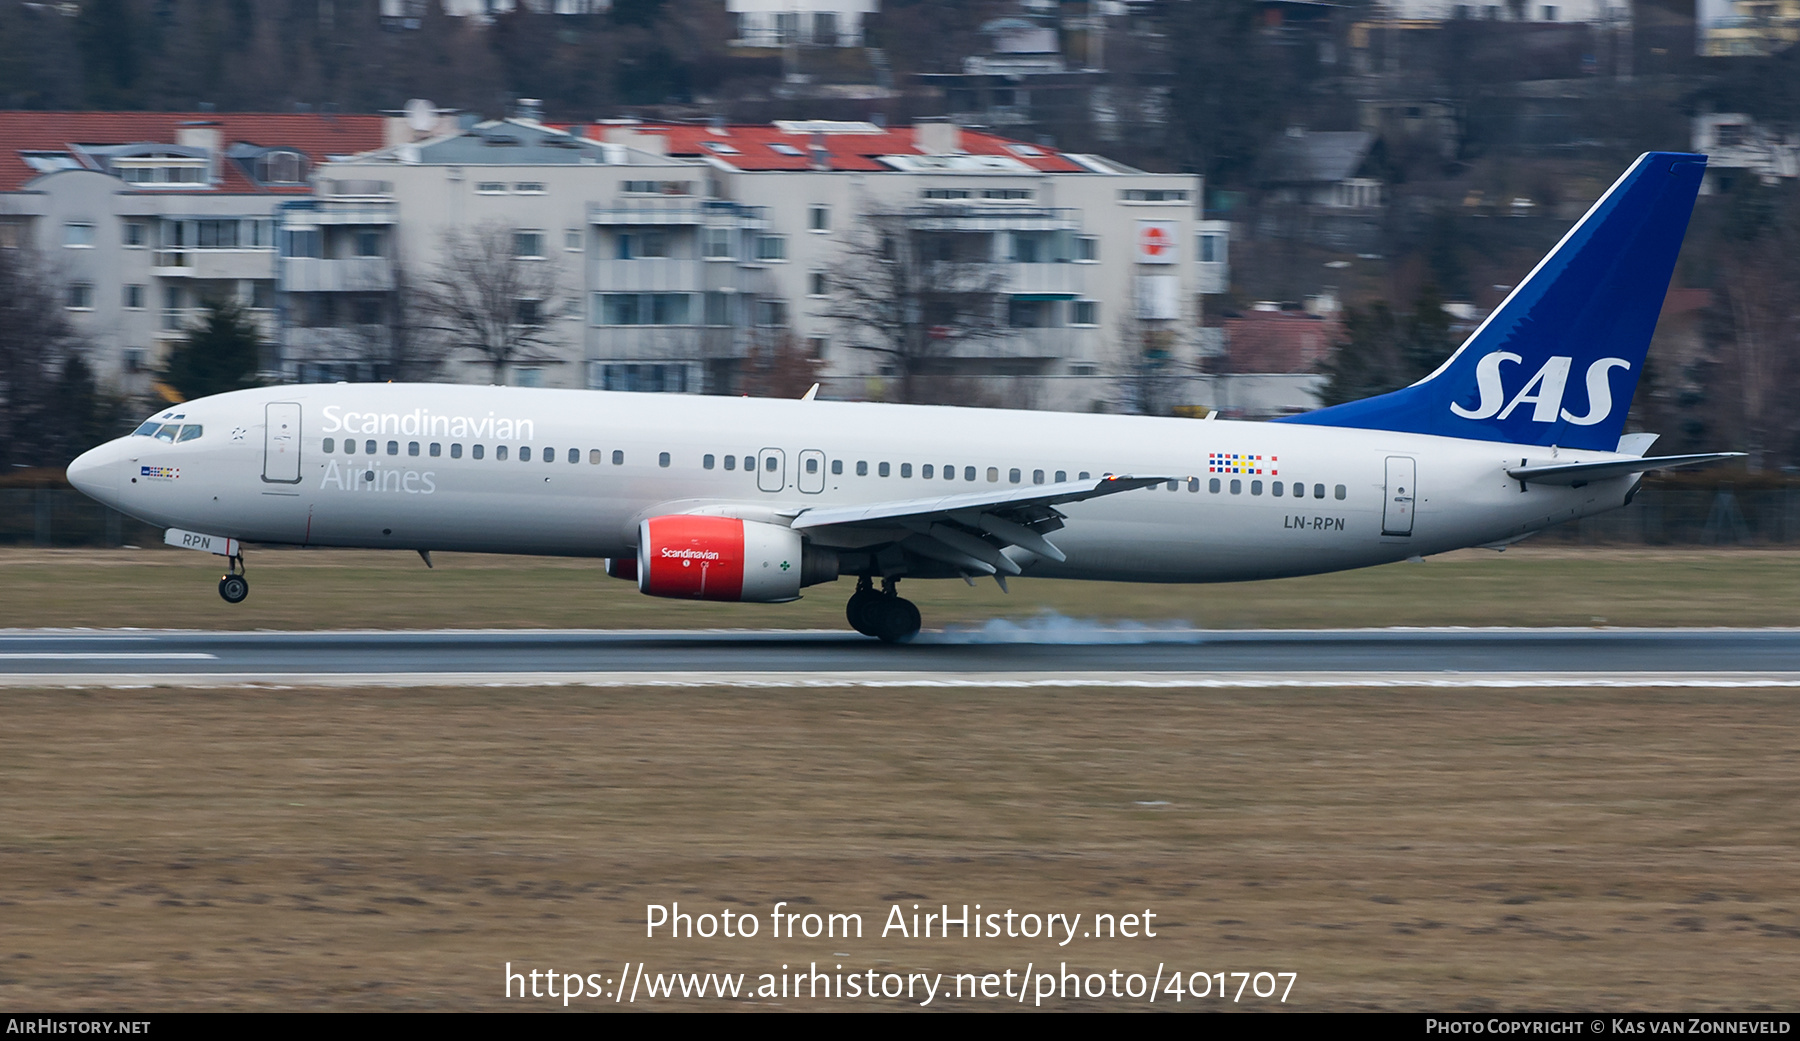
(1277, 341)
(316, 134)
(847, 151)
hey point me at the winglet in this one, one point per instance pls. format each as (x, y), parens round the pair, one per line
(811, 392)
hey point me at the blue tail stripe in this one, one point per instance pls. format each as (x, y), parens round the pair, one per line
(1558, 361)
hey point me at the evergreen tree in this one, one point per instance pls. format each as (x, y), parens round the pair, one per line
(217, 355)
(1381, 351)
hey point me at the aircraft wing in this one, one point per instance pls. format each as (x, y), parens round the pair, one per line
(1582, 473)
(967, 530)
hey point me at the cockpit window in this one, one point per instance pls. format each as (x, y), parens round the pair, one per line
(147, 430)
(190, 431)
(168, 432)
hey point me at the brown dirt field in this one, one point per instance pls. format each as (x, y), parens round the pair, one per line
(337, 589)
(295, 849)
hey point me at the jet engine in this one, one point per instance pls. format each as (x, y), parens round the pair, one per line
(690, 557)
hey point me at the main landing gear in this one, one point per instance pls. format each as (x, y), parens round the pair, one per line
(883, 615)
(234, 587)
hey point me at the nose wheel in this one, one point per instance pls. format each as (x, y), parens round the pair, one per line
(234, 587)
(884, 615)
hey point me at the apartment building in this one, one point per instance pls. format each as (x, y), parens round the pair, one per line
(680, 249)
(143, 217)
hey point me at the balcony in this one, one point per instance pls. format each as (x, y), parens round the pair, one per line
(1063, 281)
(651, 275)
(351, 275)
(675, 210)
(192, 262)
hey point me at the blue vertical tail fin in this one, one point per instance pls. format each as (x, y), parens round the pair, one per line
(1558, 361)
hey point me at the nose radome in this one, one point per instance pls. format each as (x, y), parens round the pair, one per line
(92, 473)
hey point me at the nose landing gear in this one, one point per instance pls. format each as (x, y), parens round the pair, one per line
(884, 615)
(234, 587)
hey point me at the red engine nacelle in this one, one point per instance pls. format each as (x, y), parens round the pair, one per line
(723, 558)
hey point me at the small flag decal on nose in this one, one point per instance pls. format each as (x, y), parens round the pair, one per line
(170, 472)
(1241, 463)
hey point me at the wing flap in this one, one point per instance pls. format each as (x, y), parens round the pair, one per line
(1002, 501)
(968, 531)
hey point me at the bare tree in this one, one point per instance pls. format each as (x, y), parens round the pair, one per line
(777, 366)
(36, 349)
(493, 295)
(912, 289)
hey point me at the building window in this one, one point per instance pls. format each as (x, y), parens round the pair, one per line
(818, 218)
(816, 346)
(816, 284)
(368, 243)
(528, 245)
(1549, 13)
(1022, 313)
(262, 294)
(531, 377)
(78, 235)
(490, 187)
(81, 296)
(1087, 249)
(1008, 194)
(302, 242)
(134, 297)
(136, 234)
(715, 243)
(1085, 312)
(671, 378)
(771, 313)
(1153, 195)
(529, 312)
(1212, 248)
(771, 247)
(572, 240)
(281, 168)
(718, 309)
(216, 234)
(529, 187)
(946, 193)
(643, 245)
(643, 309)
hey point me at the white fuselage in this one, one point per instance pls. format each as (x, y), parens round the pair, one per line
(616, 459)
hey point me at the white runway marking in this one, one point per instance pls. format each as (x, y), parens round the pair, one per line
(104, 656)
(916, 680)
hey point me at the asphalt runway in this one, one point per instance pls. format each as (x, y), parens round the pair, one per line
(1042, 654)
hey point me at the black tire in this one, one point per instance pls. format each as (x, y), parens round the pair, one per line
(895, 620)
(234, 588)
(857, 611)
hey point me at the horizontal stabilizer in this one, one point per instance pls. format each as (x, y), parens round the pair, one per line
(1582, 473)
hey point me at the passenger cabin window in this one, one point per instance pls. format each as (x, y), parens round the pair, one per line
(369, 448)
(500, 452)
(574, 455)
(456, 450)
(906, 469)
(662, 459)
(926, 471)
(618, 457)
(707, 460)
(393, 448)
(412, 448)
(524, 453)
(593, 457)
(330, 444)
(476, 452)
(1339, 492)
(731, 462)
